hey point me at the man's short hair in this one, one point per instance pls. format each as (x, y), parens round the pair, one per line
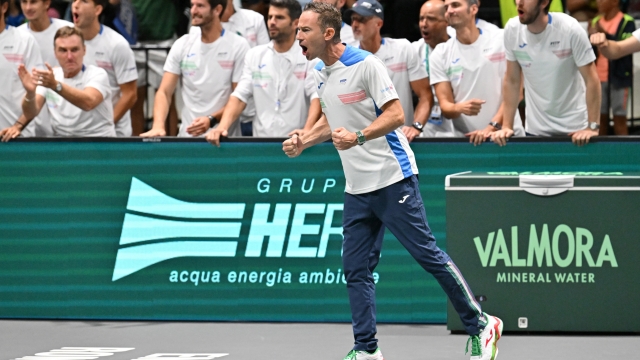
(546, 8)
(328, 17)
(3, 1)
(293, 6)
(214, 3)
(67, 31)
(102, 3)
(473, 2)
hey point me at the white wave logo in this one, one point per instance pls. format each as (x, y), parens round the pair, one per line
(140, 230)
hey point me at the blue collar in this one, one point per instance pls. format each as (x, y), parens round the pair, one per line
(549, 18)
(480, 31)
(222, 33)
(6, 27)
(101, 28)
(382, 41)
(83, 68)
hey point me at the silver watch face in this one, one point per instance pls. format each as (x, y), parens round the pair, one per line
(58, 86)
(417, 125)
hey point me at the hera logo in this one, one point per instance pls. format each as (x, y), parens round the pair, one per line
(156, 227)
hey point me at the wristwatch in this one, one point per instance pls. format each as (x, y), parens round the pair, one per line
(594, 126)
(496, 125)
(418, 126)
(361, 138)
(58, 86)
(212, 120)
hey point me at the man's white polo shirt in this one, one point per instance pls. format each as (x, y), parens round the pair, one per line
(281, 85)
(554, 89)
(69, 120)
(352, 91)
(403, 66)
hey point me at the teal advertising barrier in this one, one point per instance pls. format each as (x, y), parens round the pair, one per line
(181, 230)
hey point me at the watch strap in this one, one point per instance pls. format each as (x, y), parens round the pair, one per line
(361, 138)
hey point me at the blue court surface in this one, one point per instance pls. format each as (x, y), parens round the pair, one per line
(90, 340)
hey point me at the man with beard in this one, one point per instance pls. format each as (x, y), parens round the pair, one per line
(433, 27)
(43, 28)
(363, 115)
(109, 50)
(407, 73)
(467, 73)
(209, 64)
(277, 77)
(562, 89)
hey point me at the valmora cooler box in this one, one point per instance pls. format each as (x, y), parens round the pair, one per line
(548, 251)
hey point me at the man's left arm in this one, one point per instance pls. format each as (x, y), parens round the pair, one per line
(124, 64)
(594, 97)
(422, 89)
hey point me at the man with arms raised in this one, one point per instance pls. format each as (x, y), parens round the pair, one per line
(277, 77)
(109, 50)
(467, 73)
(209, 64)
(77, 96)
(362, 116)
(433, 28)
(16, 48)
(561, 84)
(43, 28)
(404, 67)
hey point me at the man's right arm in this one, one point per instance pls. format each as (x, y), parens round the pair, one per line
(161, 104)
(510, 98)
(232, 111)
(615, 49)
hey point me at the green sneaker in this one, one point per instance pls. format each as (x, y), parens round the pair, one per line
(484, 346)
(363, 355)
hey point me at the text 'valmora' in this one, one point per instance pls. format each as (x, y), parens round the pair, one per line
(563, 248)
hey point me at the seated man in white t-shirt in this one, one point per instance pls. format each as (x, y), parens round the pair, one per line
(467, 73)
(208, 64)
(403, 64)
(77, 96)
(561, 84)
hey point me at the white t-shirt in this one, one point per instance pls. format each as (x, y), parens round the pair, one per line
(437, 125)
(45, 39)
(17, 47)
(207, 72)
(554, 89)
(403, 66)
(281, 85)
(346, 35)
(248, 24)
(474, 71)
(110, 51)
(352, 91)
(69, 120)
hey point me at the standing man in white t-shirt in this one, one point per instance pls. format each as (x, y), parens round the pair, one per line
(363, 115)
(77, 96)
(109, 50)
(561, 84)
(403, 64)
(278, 78)
(467, 73)
(209, 65)
(43, 28)
(433, 28)
(250, 25)
(16, 48)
